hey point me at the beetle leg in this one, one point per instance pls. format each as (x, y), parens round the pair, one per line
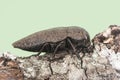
(73, 47)
(41, 49)
(57, 47)
(70, 52)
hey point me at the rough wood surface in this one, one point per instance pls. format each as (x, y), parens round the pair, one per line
(93, 67)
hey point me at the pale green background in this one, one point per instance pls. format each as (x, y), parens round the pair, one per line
(19, 18)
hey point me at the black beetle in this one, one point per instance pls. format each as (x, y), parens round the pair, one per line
(56, 39)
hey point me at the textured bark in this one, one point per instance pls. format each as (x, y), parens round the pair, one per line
(102, 64)
(10, 70)
(93, 67)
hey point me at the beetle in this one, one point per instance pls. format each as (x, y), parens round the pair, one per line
(56, 39)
